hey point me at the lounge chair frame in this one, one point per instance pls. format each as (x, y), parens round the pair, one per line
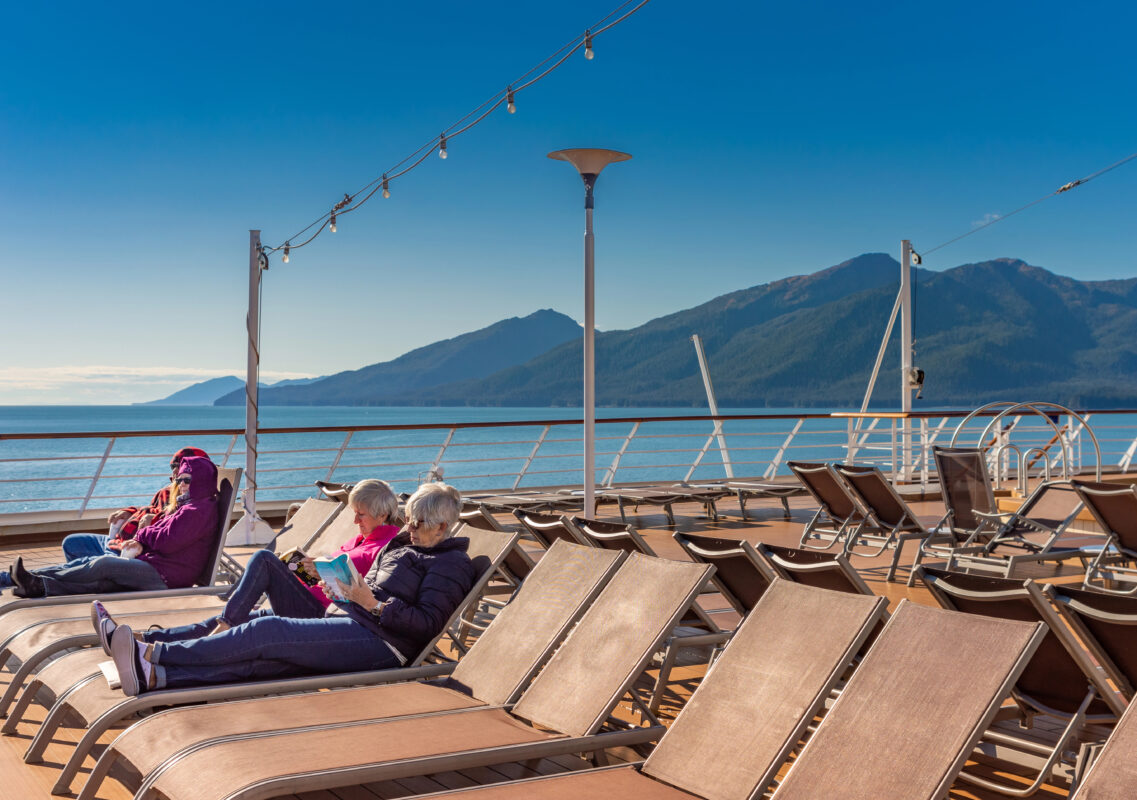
(838, 516)
(1114, 508)
(895, 520)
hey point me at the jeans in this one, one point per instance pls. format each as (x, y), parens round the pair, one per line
(268, 575)
(82, 545)
(97, 574)
(268, 647)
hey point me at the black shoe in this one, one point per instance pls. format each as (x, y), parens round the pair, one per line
(27, 584)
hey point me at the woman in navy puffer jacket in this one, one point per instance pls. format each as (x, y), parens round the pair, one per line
(412, 589)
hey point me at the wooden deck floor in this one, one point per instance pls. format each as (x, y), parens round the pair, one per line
(766, 524)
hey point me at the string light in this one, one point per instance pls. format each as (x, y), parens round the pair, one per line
(287, 247)
(507, 97)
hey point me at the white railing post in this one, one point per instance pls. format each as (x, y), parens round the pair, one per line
(339, 455)
(95, 479)
(432, 473)
(699, 458)
(615, 465)
(776, 461)
(229, 450)
(532, 455)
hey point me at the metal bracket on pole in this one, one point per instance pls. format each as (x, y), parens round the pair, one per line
(712, 403)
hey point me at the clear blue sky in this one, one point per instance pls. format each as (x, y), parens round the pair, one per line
(140, 141)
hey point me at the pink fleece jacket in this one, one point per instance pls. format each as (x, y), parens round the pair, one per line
(362, 551)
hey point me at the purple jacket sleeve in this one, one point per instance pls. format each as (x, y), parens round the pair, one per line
(175, 532)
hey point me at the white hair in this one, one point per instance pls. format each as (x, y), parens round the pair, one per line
(376, 498)
(435, 504)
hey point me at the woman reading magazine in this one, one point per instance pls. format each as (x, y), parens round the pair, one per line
(408, 594)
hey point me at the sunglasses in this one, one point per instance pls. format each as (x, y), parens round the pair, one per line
(183, 479)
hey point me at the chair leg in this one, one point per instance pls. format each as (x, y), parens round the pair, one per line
(741, 503)
(669, 656)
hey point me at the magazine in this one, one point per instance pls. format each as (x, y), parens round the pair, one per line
(338, 573)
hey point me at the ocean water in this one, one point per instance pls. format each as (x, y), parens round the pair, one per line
(59, 473)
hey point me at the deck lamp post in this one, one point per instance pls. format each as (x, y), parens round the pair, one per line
(589, 162)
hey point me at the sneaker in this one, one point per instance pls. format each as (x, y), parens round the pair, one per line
(127, 660)
(104, 625)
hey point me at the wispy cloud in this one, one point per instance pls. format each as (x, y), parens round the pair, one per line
(100, 383)
(987, 220)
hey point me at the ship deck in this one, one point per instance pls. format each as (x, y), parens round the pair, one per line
(765, 524)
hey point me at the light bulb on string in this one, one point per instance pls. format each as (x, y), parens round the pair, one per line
(510, 106)
(287, 247)
(442, 146)
(332, 223)
(588, 54)
(386, 191)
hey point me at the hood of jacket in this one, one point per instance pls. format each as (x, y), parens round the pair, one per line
(203, 477)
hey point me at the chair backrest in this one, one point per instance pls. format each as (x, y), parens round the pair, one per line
(826, 489)
(1053, 505)
(479, 516)
(228, 479)
(517, 564)
(314, 515)
(873, 491)
(546, 528)
(741, 576)
(1107, 625)
(326, 542)
(612, 644)
(611, 535)
(487, 549)
(1114, 506)
(812, 568)
(525, 632)
(965, 485)
(751, 710)
(1056, 678)
(911, 714)
(1113, 775)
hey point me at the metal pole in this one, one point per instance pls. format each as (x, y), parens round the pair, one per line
(906, 352)
(713, 404)
(589, 349)
(252, 376)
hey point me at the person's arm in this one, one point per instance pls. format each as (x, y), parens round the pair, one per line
(440, 592)
(172, 533)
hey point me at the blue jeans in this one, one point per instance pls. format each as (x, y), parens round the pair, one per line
(97, 574)
(268, 647)
(82, 545)
(77, 545)
(266, 574)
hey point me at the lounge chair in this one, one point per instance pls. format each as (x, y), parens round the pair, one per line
(823, 570)
(494, 672)
(313, 516)
(1113, 775)
(1029, 535)
(562, 711)
(1061, 680)
(741, 575)
(1114, 507)
(227, 482)
(910, 715)
(838, 516)
(547, 528)
(1106, 624)
(99, 707)
(666, 497)
(971, 514)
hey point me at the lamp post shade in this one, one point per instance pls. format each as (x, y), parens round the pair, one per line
(588, 162)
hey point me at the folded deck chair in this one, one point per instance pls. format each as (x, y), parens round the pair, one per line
(97, 707)
(838, 516)
(1061, 680)
(971, 515)
(36, 635)
(1107, 626)
(910, 715)
(1113, 775)
(1114, 507)
(227, 482)
(562, 711)
(747, 714)
(897, 524)
(823, 570)
(547, 528)
(781, 488)
(494, 672)
(1029, 535)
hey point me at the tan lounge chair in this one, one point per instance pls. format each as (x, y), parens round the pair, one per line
(1114, 507)
(741, 575)
(809, 567)
(494, 672)
(1106, 625)
(545, 529)
(1113, 775)
(98, 707)
(562, 711)
(838, 516)
(896, 524)
(666, 497)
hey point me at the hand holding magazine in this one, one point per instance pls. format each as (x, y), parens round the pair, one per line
(338, 573)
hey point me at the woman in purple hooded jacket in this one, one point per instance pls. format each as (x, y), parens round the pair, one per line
(169, 554)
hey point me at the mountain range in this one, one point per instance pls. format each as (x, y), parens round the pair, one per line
(999, 329)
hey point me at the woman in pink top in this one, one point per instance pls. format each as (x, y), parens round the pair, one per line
(373, 503)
